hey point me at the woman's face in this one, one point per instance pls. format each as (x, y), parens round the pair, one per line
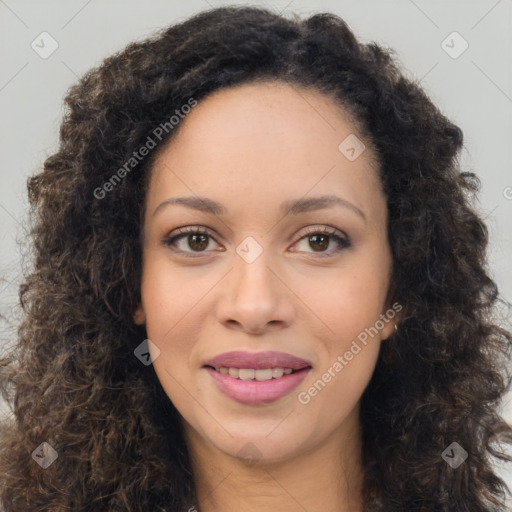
(267, 272)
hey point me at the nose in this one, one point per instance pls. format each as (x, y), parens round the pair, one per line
(256, 299)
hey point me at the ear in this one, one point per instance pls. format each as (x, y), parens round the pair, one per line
(139, 316)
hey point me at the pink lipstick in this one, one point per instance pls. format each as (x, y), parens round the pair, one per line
(257, 378)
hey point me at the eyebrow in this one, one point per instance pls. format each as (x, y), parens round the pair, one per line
(293, 207)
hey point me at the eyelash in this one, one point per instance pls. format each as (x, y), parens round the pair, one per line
(342, 240)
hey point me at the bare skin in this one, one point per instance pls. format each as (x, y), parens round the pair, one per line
(250, 148)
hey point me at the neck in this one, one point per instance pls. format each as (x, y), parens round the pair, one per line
(328, 478)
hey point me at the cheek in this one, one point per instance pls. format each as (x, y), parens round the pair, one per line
(348, 351)
(173, 298)
(333, 395)
(350, 306)
(349, 301)
(170, 306)
(351, 340)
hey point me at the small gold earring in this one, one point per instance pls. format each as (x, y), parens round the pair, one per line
(396, 327)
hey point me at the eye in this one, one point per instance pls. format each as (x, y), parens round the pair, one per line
(320, 238)
(190, 240)
(195, 238)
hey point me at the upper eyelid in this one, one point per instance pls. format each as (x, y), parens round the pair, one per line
(208, 231)
(201, 230)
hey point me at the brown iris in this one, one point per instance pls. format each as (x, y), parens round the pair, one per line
(324, 241)
(195, 244)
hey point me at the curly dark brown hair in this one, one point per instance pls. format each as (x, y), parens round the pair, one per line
(72, 379)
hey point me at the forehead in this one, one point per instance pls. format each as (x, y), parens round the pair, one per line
(260, 140)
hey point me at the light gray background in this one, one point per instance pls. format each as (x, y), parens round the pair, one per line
(474, 90)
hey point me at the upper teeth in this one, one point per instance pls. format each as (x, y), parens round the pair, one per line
(252, 373)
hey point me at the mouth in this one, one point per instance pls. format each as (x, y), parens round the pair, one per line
(257, 378)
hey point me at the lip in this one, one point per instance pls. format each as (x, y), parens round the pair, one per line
(257, 392)
(269, 359)
(252, 392)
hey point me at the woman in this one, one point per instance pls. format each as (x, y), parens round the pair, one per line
(259, 284)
